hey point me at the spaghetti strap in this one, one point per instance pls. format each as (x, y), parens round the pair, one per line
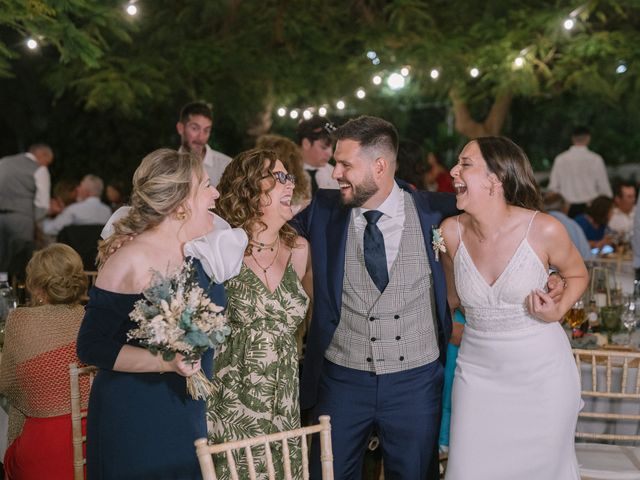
(459, 233)
(530, 222)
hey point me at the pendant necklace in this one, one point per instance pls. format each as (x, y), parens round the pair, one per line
(264, 269)
(263, 246)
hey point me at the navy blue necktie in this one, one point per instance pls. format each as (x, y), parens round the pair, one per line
(375, 257)
(314, 182)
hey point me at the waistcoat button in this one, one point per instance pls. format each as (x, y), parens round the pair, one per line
(401, 358)
(368, 359)
(373, 339)
(396, 317)
(398, 337)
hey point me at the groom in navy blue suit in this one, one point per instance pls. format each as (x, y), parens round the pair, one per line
(380, 318)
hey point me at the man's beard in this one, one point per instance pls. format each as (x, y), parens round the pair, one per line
(361, 193)
(200, 149)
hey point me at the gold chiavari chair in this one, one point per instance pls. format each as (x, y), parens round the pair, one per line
(78, 439)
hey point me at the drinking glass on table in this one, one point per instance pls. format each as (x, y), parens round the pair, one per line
(575, 317)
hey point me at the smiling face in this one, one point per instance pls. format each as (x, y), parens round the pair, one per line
(199, 206)
(275, 201)
(195, 133)
(471, 178)
(354, 172)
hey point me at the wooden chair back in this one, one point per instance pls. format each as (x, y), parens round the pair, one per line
(204, 452)
(612, 374)
(78, 439)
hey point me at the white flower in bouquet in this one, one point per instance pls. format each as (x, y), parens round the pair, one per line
(177, 316)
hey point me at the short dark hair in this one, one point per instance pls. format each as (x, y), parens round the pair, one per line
(618, 186)
(553, 201)
(411, 164)
(599, 209)
(316, 128)
(581, 131)
(196, 108)
(370, 132)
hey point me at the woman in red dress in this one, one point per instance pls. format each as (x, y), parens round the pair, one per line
(40, 342)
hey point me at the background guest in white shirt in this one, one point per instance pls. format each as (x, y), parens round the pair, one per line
(579, 174)
(194, 128)
(624, 199)
(314, 138)
(88, 210)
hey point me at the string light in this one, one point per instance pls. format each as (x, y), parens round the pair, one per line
(518, 62)
(31, 44)
(395, 81)
(569, 23)
(340, 105)
(293, 114)
(474, 72)
(282, 112)
(322, 111)
(404, 71)
(132, 9)
(621, 68)
(371, 54)
(434, 74)
(360, 93)
(307, 114)
(377, 79)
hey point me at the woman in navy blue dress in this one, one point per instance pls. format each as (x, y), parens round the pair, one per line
(141, 422)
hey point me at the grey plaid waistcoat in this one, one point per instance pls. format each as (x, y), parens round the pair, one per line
(394, 330)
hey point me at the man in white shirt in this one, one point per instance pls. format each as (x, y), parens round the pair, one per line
(314, 138)
(88, 210)
(579, 174)
(621, 221)
(25, 188)
(194, 128)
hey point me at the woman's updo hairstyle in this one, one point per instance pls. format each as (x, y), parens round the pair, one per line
(161, 184)
(56, 275)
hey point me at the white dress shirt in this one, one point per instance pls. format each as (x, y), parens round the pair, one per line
(214, 163)
(622, 223)
(323, 176)
(579, 175)
(391, 223)
(90, 211)
(43, 185)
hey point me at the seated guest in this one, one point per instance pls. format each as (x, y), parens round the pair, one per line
(438, 177)
(556, 206)
(115, 194)
(40, 342)
(411, 166)
(594, 221)
(88, 210)
(65, 192)
(621, 222)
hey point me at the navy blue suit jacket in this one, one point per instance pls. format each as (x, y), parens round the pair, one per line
(325, 223)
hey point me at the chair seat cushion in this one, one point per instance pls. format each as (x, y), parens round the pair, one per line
(608, 462)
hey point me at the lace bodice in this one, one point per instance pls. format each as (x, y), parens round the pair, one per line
(499, 307)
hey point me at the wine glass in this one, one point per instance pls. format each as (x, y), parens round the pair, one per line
(575, 317)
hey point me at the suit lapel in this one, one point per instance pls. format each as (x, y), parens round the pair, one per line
(336, 243)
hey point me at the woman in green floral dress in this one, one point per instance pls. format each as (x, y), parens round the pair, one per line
(257, 368)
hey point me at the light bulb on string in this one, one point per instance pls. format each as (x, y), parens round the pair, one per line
(322, 111)
(371, 54)
(132, 9)
(294, 114)
(569, 23)
(376, 61)
(360, 93)
(404, 71)
(621, 68)
(340, 105)
(518, 62)
(434, 74)
(282, 112)
(377, 79)
(474, 72)
(307, 114)
(395, 81)
(31, 44)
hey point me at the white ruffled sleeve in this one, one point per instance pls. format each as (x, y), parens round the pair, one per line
(220, 251)
(108, 229)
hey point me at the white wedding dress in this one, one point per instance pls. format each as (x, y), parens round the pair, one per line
(516, 392)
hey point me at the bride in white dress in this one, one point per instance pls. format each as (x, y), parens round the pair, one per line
(516, 393)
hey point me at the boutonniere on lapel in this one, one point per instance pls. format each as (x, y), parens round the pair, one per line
(438, 242)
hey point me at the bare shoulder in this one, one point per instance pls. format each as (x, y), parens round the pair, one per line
(128, 270)
(546, 228)
(300, 254)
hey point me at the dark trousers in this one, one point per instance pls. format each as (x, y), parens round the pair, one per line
(404, 409)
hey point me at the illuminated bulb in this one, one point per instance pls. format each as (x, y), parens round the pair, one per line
(282, 112)
(322, 111)
(360, 93)
(371, 54)
(404, 71)
(569, 24)
(293, 114)
(32, 44)
(474, 72)
(340, 105)
(376, 61)
(132, 10)
(307, 114)
(434, 74)
(620, 69)
(395, 81)
(518, 62)
(377, 79)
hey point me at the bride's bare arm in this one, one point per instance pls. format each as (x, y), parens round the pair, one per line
(451, 241)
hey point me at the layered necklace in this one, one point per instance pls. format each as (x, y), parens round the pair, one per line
(261, 247)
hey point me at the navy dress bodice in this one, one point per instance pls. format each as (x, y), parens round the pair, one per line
(139, 425)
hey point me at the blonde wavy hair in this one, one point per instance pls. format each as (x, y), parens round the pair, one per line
(57, 272)
(240, 194)
(291, 157)
(161, 184)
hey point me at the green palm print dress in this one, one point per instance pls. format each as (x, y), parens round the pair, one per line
(256, 380)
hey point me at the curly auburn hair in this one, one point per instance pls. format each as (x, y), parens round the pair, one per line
(57, 272)
(241, 192)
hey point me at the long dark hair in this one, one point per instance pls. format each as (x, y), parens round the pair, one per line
(512, 167)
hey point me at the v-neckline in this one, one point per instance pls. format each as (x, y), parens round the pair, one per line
(264, 286)
(491, 286)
